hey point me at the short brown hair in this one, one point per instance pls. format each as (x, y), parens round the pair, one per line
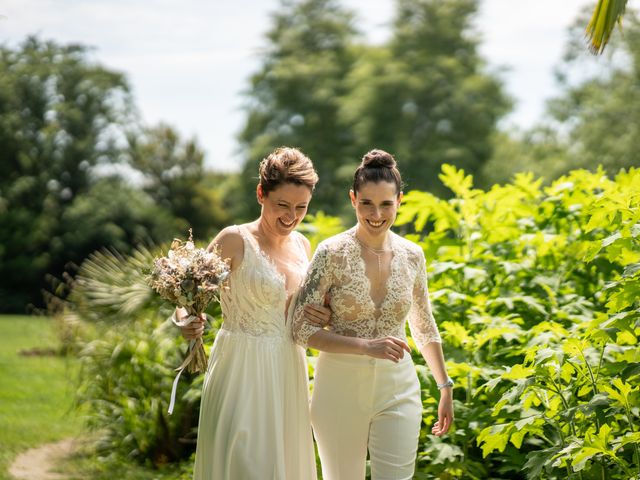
(286, 165)
(377, 166)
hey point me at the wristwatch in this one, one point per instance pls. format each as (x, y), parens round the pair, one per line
(447, 383)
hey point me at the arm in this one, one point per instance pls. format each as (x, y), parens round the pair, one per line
(306, 328)
(389, 348)
(314, 288)
(425, 333)
(308, 316)
(421, 322)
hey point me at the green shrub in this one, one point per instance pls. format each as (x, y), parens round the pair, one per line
(536, 294)
(128, 351)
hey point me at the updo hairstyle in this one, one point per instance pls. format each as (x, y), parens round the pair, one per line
(377, 166)
(286, 165)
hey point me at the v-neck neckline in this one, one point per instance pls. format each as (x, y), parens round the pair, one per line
(282, 279)
(392, 265)
(262, 254)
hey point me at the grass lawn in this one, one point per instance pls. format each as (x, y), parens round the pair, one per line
(36, 391)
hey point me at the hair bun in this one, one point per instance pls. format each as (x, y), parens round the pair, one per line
(378, 159)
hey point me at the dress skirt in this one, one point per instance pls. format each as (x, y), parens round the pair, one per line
(254, 415)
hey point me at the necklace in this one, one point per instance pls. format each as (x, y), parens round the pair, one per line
(378, 252)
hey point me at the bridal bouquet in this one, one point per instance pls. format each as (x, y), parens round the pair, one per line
(190, 278)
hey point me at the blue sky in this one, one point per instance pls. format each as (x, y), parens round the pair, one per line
(188, 61)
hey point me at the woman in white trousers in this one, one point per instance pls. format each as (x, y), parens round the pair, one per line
(366, 394)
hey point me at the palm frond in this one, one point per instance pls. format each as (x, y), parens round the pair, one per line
(605, 16)
(113, 287)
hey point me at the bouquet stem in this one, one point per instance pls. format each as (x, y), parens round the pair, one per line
(196, 360)
(199, 361)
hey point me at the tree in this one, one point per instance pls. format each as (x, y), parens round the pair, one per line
(595, 120)
(599, 117)
(63, 151)
(58, 113)
(294, 99)
(174, 177)
(426, 97)
(538, 150)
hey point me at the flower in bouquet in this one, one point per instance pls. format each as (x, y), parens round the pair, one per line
(190, 278)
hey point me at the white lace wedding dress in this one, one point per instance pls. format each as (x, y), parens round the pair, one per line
(254, 418)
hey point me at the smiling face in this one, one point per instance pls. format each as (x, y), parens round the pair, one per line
(376, 206)
(284, 207)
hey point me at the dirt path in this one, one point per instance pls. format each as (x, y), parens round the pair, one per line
(40, 462)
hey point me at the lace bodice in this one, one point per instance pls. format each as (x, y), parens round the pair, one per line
(337, 268)
(256, 301)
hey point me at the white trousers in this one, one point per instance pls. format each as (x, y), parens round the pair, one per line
(361, 403)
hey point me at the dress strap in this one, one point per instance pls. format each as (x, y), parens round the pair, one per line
(248, 238)
(300, 243)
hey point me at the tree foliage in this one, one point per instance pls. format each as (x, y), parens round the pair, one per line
(427, 96)
(175, 179)
(602, 113)
(593, 121)
(71, 156)
(424, 95)
(57, 113)
(294, 99)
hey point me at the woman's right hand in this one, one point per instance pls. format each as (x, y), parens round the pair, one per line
(388, 348)
(193, 330)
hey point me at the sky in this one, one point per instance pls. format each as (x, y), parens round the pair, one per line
(189, 61)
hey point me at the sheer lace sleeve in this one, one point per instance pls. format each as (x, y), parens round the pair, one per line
(421, 322)
(315, 286)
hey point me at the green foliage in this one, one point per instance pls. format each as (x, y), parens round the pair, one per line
(424, 95)
(128, 351)
(320, 226)
(295, 97)
(600, 114)
(63, 162)
(606, 15)
(126, 383)
(538, 150)
(595, 120)
(536, 293)
(174, 178)
(57, 117)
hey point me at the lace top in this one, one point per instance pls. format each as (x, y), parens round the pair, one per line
(257, 299)
(337, 268)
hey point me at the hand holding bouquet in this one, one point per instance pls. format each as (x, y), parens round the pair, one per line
(190, 278)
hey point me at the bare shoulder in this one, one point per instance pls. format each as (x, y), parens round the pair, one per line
(229, 244)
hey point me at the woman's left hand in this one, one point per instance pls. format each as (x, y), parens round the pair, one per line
(317, 315)
(445, 412)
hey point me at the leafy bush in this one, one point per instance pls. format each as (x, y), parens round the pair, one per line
(536, 294)
(128, 351)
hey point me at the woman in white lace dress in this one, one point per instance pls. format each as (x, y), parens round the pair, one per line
(366, 393)
(254, 414)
